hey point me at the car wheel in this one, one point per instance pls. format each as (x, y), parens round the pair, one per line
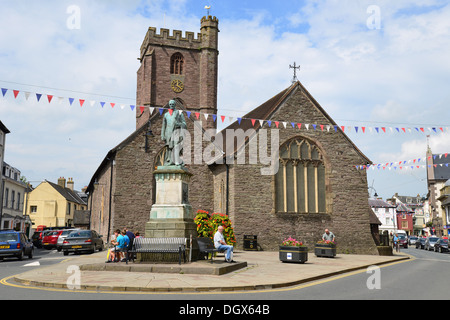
(20, 256)
(30, 255)
(66, 253)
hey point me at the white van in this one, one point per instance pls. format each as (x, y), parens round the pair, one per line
(401, 232)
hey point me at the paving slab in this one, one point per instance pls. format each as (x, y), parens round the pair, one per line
(255, 270)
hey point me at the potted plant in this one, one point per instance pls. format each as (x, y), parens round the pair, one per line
(292, 250)
(325, 248)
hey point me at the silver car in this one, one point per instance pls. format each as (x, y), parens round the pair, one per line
(61, 238)
(82, 240)
(429, 243)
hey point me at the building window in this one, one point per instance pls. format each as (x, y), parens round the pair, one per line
(176, 64)
(300, 180)
(33, 209)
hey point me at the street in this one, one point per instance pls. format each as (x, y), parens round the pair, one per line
(423, 277)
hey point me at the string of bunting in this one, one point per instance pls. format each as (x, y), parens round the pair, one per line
(406, 164)
(270, 123)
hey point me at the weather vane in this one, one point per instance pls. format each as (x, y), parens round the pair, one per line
(207, 9)
(294, 79)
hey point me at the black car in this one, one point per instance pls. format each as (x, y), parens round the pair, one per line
(15, 244)
(420, 243)
(82, 240)
(441, 245)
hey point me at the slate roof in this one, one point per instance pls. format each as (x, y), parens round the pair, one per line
(378, 203)
(268, 108)
(68, 194)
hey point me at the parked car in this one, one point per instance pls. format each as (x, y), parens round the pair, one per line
(429, 243)
(15, 244)
(402, 241)
(441, 245)
(63, 236)
(412, 240)
(420, 243)
(51, 238)
(82, 240)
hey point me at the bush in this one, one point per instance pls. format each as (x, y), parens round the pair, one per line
(207, 226)
(220, 219)
(204, 225)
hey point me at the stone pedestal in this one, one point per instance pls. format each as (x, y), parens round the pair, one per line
(171, 215)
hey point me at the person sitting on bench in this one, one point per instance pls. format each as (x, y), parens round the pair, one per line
(221, 245)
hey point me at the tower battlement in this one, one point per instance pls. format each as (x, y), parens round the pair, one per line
(190, 40)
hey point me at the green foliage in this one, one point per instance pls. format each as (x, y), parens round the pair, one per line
(204, 224)
(220, 219)
(207, 226)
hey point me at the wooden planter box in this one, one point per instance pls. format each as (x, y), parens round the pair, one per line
(325, 250)
(293, 254)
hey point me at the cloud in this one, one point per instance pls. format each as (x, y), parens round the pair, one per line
(394, 74)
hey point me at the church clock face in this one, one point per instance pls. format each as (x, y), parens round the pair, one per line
(177, 85)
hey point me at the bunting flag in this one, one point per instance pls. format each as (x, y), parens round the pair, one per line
(316, 127)
(416, 163)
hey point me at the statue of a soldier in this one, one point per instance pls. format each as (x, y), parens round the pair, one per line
(172, 133)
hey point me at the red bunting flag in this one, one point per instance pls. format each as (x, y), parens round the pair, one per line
(253, 122)
(384, 129)
(363, 129)
(223, 118)
(142, 109)
(342, 127)
(276, 123)
(321, 127)
(16, 92)
(81, 102)
(112, 104)
(49, 97)
(299, 125)
(170, 111)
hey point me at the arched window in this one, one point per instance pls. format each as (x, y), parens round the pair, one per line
(300, 180)
(176, 64)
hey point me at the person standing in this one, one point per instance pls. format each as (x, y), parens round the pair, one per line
(328, 235)
(219, 243)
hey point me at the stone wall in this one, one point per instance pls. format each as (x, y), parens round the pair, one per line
(253, 206)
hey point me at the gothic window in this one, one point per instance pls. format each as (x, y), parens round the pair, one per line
(176, 64)
(300, 180)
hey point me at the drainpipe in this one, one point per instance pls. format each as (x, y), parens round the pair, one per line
(110, 199)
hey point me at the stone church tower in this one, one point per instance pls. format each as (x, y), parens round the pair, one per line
(173, 66)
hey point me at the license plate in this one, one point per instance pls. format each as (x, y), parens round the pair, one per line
(76, 247)
(45, 244)
(4, 247)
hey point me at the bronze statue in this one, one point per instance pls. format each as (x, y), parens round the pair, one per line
(172, 133)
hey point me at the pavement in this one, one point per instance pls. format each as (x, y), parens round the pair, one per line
(253, 270)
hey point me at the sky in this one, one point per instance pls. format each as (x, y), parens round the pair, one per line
(368, 63)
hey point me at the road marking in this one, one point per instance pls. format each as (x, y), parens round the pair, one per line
(32, 264)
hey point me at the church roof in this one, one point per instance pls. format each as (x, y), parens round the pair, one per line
(268, 108)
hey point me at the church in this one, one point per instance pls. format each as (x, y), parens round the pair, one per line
(284, 169)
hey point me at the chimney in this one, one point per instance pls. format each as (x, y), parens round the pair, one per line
(70, 184)
(62, 182)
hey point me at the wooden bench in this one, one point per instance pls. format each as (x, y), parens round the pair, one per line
(205, 247)
(160, 245)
